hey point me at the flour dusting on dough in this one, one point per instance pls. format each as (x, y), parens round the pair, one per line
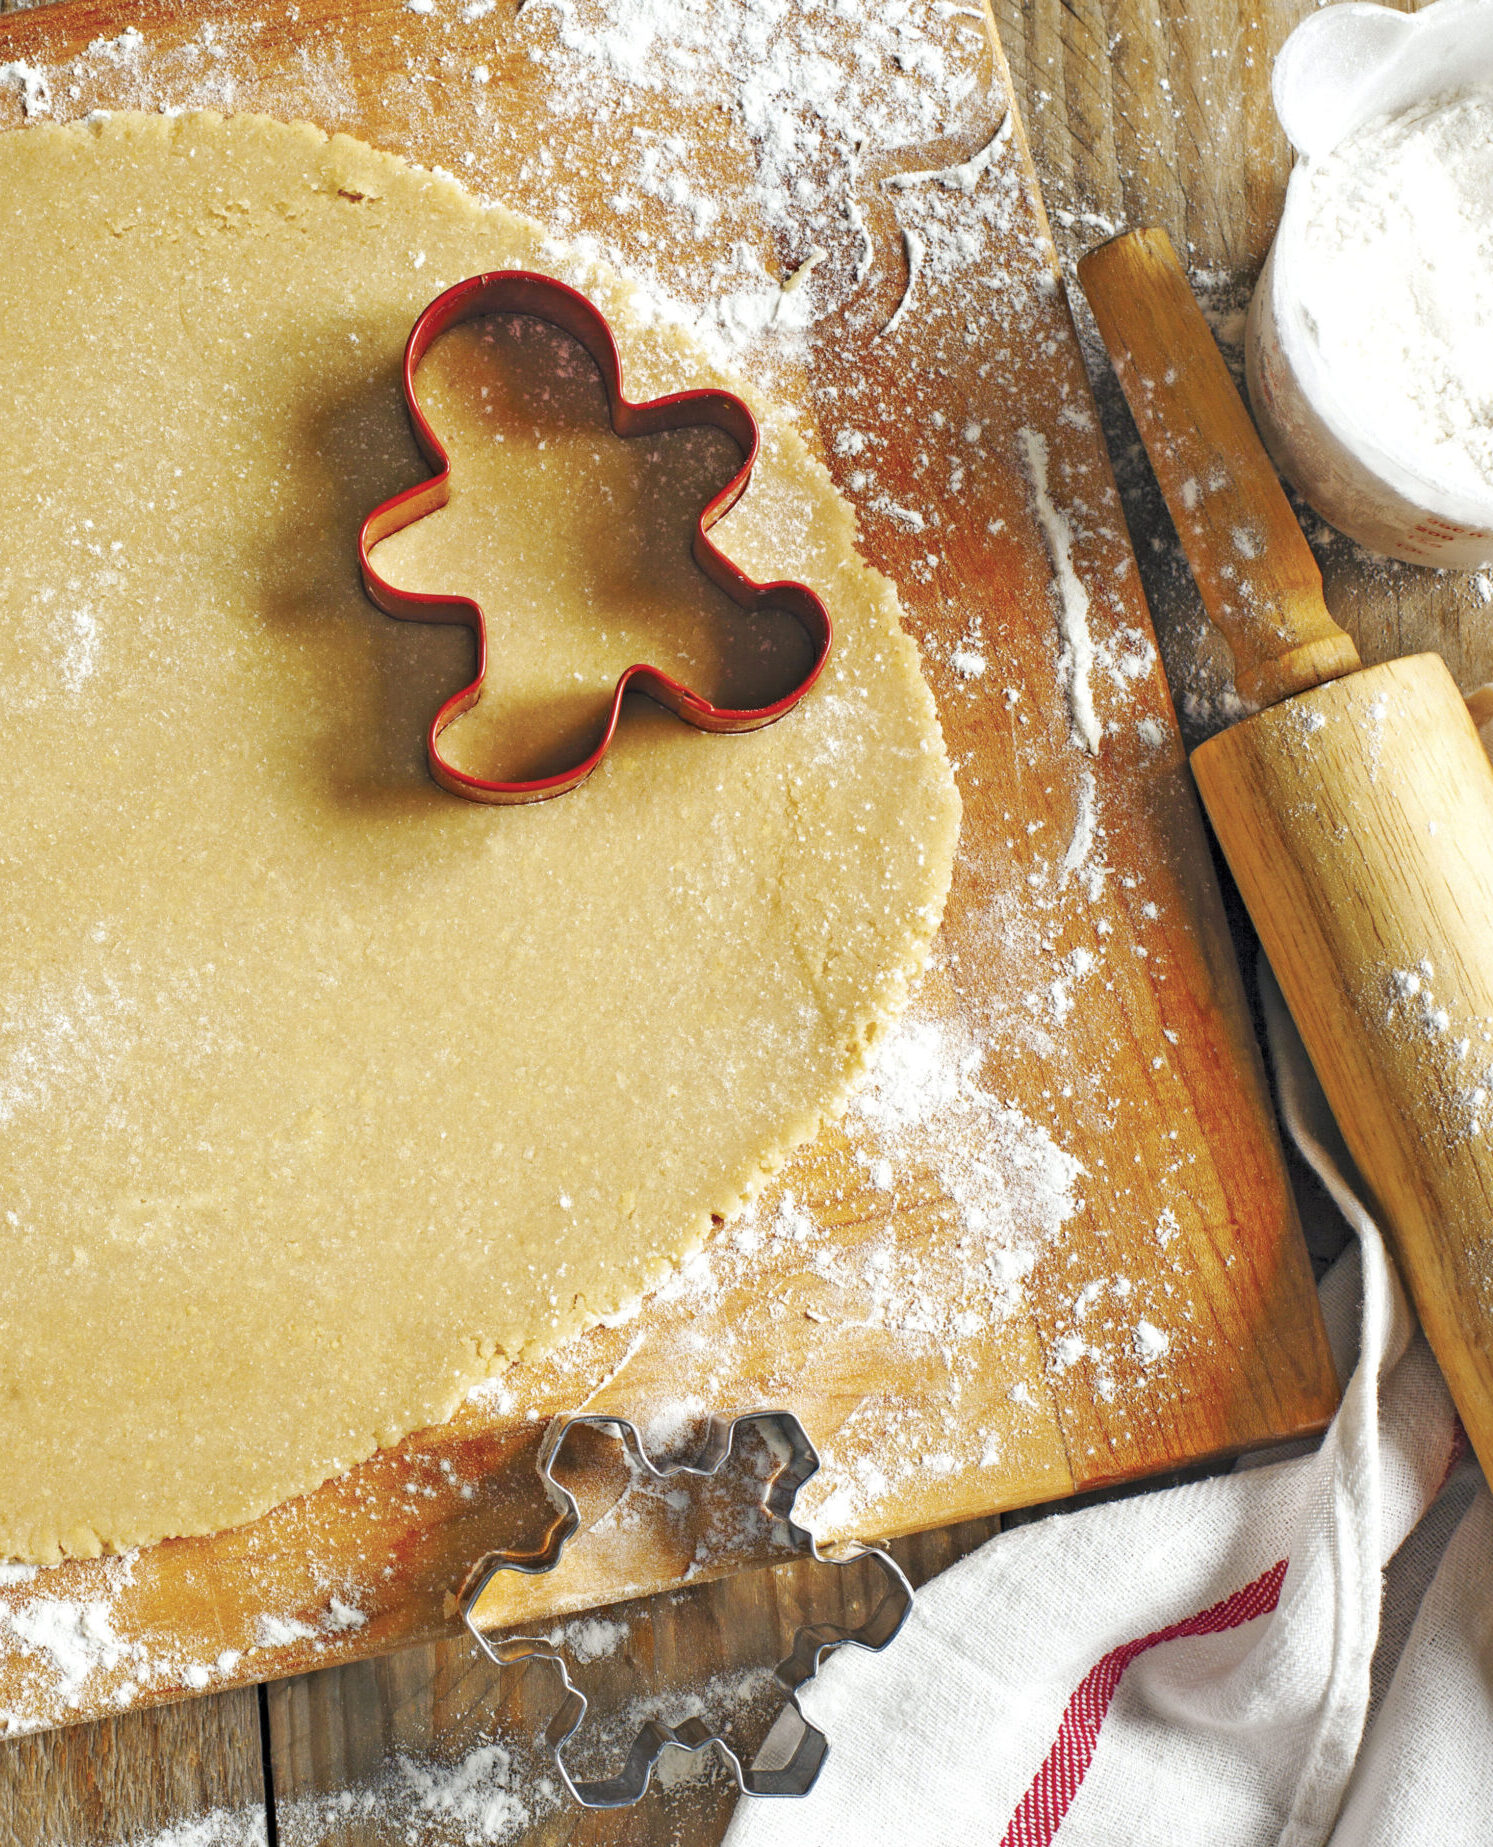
(818, 127)
(243, 1002)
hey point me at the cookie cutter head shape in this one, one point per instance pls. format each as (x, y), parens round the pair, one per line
(516, 291)
(790, 1757)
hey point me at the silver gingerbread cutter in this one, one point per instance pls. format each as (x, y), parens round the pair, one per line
(791, 1755)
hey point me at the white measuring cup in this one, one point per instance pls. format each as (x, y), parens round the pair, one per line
(1339, 69)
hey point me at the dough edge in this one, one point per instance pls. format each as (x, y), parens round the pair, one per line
(670, 349)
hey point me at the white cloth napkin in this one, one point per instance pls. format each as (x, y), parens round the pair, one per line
(1300, 1651)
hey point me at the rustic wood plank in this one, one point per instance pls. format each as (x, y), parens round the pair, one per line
(1141, 114)
(122, 1782)
(337, 1737)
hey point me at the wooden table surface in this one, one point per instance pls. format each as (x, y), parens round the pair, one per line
(1157, 114)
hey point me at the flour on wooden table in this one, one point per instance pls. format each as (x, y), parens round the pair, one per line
(68, 1642)
(219, 1828)
(484, 1799)
(497, 1791)
(589, 1638)
(487, 1797)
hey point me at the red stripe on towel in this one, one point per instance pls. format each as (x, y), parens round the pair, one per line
(1053, 1788)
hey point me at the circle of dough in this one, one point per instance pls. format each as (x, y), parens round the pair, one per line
(323, 1094)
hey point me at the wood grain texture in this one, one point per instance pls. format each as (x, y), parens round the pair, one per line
(1154, 114)
(129, 1779)
(335, 1734)
(1254, 570)
(1358, 821)
(1161, 115)
(1154, 1084)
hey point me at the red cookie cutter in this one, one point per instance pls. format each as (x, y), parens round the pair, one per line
(516, 291)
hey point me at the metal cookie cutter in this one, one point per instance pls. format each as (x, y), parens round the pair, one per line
(790, 1756)
(516, 291)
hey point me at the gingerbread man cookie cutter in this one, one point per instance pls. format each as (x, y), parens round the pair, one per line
(513, 291)
(791, 1755)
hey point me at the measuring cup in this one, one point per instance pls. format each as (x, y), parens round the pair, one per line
(1339, 69)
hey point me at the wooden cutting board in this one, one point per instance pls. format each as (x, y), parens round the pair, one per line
(1056, 1249)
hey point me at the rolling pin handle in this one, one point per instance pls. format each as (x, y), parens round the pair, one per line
(1256, 573)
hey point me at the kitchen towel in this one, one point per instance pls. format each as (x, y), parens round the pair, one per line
(1299, 1651)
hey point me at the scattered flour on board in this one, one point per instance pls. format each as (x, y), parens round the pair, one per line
(996, 1187)
(1078, 856)
(670, 1432)
(74, 1639)
(962, 178)
(1151, 1343)
(923, 1105)
(218, 1828)
(281, 1631)
(809, 114)
(35, 92)
(916, 249)
(67, 1642)
(1076, 659)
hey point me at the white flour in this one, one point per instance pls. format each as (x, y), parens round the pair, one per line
(810, 114)
(1076, 659)
(220, 1828)
(1395, 255)
(36, 94)
(1425, 1008)
(1010, 1181)
(974, 1195)
(481, 1799)
(73, 1638)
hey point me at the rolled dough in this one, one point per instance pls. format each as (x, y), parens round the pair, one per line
(324, 1094)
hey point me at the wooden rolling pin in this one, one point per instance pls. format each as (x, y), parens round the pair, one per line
(1356, 811)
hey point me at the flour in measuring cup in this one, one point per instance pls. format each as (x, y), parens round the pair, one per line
(1392, 266)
